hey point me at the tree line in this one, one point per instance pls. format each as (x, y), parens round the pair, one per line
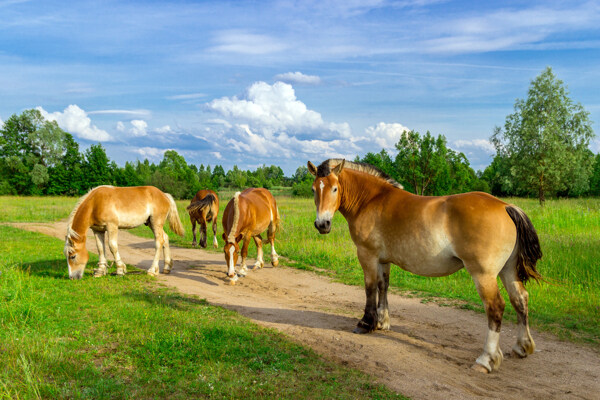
(542, 150)
(37, 157)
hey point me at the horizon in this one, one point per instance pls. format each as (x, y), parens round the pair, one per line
(279, 83)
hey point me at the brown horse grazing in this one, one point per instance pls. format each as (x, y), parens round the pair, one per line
(106, 209)
(204, 208)
(246, 216)
(431, 236)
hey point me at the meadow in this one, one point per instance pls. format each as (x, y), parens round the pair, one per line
(131, 338)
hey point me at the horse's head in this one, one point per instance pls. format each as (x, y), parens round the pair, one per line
(327, 194)
(77, 255)
(231, 250)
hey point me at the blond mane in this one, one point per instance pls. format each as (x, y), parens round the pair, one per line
(236, 217)
(326, 166)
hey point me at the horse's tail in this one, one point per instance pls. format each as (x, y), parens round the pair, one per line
(529, 245)
(277, 220)
(173, 216)
(199, 205)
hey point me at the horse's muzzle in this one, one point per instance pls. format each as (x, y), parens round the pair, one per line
(76, 275)
(323, 226)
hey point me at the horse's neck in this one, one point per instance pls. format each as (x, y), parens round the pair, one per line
(357, 191)
(81, 221)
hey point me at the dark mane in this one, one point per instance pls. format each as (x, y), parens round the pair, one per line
(325, 169)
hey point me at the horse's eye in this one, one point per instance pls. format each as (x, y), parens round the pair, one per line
(72, 257)
(335, 189)
(313, 189)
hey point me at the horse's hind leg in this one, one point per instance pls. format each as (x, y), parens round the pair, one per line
(519, 299)
(383, 282)
(214, 229)
(259, 252)
(113, 233)
(271, 237)
(167, 252)
(102, 265)
(193, 221)
(203, 235)
(159, 242)
(487, 287)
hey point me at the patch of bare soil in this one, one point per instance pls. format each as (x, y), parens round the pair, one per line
(427, 354)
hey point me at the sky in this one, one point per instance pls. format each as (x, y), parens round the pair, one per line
(253, 83)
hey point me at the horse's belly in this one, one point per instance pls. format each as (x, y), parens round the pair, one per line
(440, 263)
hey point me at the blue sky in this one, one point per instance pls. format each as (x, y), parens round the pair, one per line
(283, 82)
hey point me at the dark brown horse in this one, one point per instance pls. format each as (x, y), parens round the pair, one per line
(432, 236)
(204, 208)
(246, 216)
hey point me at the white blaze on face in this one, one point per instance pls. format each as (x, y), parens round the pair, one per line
(321, 185)
(231, 265)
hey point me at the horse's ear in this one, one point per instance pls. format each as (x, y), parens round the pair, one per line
(224, 237)
(312, 169)
(338, 168)
(239, 237)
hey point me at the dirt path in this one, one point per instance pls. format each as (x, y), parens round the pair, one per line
(426, 355)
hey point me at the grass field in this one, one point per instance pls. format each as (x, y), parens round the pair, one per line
(130, 338)
(569, 232)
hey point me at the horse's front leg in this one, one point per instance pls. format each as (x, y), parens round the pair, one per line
(383, 282)
(102, 264)
(370, 265)
(113, 234)
(244, 268)
(167, 252)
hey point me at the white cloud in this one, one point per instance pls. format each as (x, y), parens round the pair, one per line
(217, 155)
(298, 77)
(76, 121)
(246, 43)
(120, 126)
(1, 123)
(138, 127)
(385, 135)
(141, 113)
(163, 129)
(274, 108)
(151, 153)
(188, 96)
(480, 144)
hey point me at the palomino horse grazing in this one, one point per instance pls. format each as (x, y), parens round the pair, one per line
(431, 236)
(204, 208)
(246, 216)
(106, 209)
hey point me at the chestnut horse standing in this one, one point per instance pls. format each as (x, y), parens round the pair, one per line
(204, 208)
(106, 209)
(246, 216)
(432, 236)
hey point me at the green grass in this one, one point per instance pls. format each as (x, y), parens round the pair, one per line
(131, 338)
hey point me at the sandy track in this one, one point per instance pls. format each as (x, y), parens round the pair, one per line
(427, 354)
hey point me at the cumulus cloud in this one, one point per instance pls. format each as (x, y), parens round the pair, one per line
(480, 144)
(217, 155)
(138, 127)
(151, 153)
(298, 77)
(385, 135)
(164, 129)
(76, 121)
(270, 109)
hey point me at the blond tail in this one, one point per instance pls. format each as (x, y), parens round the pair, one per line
(174, 221)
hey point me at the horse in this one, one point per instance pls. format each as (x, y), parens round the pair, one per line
(108, 208)
(432, 236)
(246, 216)
(204, 208)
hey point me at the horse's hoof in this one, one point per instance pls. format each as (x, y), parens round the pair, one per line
(361, 330)
(232, 283)
(152, 273)
(275, 263)
(166, 271)
(120, 272)
(480, 368)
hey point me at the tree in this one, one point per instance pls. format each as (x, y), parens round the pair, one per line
(595, 178)
(420, 161)
(96, 168)
(545, 141)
